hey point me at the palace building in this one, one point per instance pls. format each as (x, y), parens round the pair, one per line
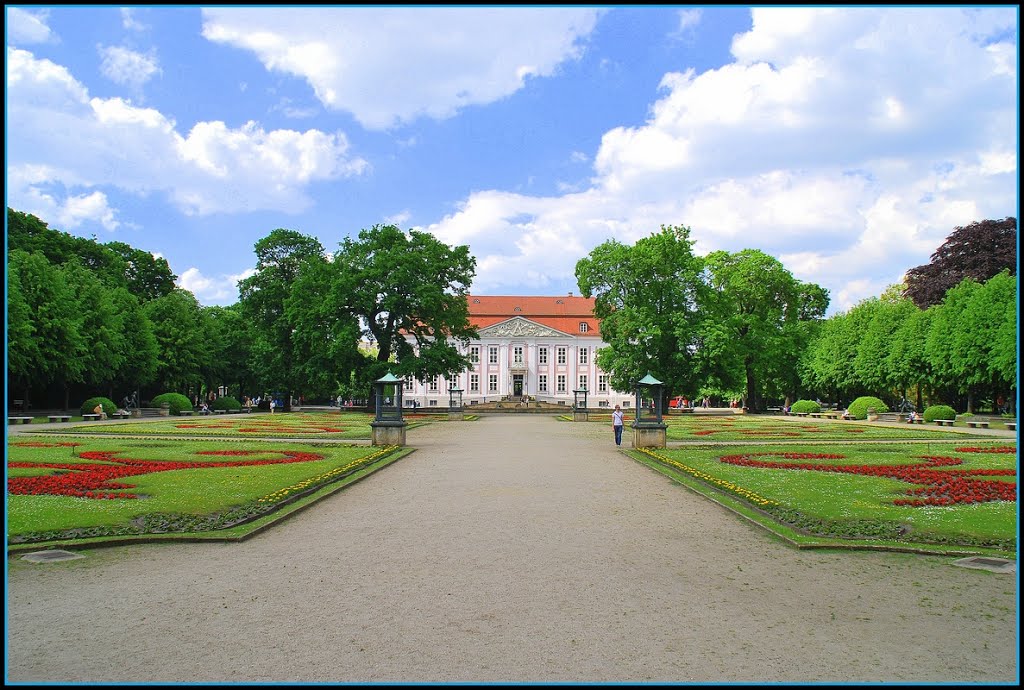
(542, 348)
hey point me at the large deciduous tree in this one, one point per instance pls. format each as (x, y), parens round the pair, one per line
(767, 314)
(280, 257)
(648, 298)
(978, 251)
(400, 285)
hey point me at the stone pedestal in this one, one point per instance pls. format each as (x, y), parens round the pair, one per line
(165, 409)
(388, 433)
(580, 416)
(455, 416)
(649, 436)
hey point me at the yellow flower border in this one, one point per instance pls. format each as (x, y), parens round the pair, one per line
(710, 479)
(281, 494)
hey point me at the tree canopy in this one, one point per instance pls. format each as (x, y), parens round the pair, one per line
(977, 251)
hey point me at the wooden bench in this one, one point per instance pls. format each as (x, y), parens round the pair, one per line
(917, 420)
(220, 411)
(90, 417)
(831, 415)
(186, 413)
(1012, 426)
(121, 415)
(816, 415)
(59, 417)
(943, 422)
(800, 414)
(975, 425)
(19, 420)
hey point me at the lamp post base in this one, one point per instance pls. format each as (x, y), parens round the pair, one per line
(649, 436)
(388, 433)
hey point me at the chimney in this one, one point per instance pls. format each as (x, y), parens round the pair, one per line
(570, 293)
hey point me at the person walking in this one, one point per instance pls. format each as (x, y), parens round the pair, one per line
(617, 425)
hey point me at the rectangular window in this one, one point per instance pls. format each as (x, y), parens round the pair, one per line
(602, 383)
(474, 383)
(432, 384)
(517, 354)
(409, 384)
(492, 355)
(432, 403)
(561, 356)
(474, 354)
(492, 383)
(584, 355)
(542, 355)
(584, 327)
(561, 383)
(542, 383)
(583, 382)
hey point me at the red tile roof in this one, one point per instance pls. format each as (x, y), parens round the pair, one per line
(562, 313)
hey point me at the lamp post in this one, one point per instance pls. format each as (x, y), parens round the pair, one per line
(455, 404)
(649, 430)
(579, 405)
(388, 427)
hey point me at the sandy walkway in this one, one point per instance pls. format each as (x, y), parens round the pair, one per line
(514, 548)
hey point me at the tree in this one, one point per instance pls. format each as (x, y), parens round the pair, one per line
(144, 275)
(103, 349)
(760, 304)
(407, 285)
(985, 340)
(227, 355)
(177, 327)
(56, 353)
(648, 298)
(979, 251)
(948, 349)
(139, 357)
(280, 257)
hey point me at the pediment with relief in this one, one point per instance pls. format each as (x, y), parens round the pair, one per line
(518, 327)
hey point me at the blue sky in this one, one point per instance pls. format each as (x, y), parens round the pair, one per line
(847, 142)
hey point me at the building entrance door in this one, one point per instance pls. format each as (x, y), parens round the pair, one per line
(517, 385)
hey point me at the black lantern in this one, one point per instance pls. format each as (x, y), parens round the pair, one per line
(648, 389)
(454, 399)
(579, 404)
(388, 389)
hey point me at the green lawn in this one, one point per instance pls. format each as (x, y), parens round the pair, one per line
(75, 488)
(855, 499)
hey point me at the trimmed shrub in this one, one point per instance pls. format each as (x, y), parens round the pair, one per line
(858, 409)
(226, 402)
(939, 412)
(804, 406)
(108, 405)
(176, 401)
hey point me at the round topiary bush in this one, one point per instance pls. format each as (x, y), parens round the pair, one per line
(108, 405)
(176, 401)
(226, 402)
(804, 406)
(939, 412)
(858, 409)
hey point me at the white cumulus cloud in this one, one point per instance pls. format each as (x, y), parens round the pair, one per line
(390, 65)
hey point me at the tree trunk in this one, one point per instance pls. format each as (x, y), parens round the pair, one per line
(752, 399)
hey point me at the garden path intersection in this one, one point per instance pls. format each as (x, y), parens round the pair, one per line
(515, 548)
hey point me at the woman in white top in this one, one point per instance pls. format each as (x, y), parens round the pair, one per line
(617, 425)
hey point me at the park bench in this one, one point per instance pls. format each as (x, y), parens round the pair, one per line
(220, 411)
(975, 425)
(59, 417)
(943, 422)
(121, 415)
(1012, 426)
(816, 415)
(19, 420)
(186, 413)
(90, 417)
(917, 420)
(800, 414)
(831, 415)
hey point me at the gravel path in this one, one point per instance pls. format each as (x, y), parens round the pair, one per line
(514, 548)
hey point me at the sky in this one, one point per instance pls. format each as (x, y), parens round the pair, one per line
(846, 142)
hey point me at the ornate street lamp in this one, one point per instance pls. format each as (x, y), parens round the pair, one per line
(649, 431)
(579, 404)
(455, 403)
(388, 427)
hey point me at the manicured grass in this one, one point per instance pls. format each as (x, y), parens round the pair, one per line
(73, 488)
(854, 498)
(713, 428)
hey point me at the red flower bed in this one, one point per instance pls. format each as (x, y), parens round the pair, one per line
(97, 480)
(1000, 449)
(40, 444)
(939, 487)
